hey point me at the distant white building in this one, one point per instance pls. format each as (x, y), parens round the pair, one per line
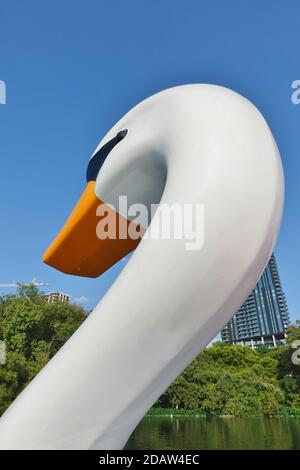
(56, 297)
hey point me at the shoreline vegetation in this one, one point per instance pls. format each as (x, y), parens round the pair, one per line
(224, 380)
(285, 412)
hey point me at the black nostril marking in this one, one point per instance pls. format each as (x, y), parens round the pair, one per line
(98, 159)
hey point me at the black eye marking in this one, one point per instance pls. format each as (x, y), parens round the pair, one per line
(98, 159)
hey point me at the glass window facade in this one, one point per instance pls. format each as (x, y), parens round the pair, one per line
(263, 318)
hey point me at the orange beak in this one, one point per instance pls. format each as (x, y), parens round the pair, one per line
(78, 250)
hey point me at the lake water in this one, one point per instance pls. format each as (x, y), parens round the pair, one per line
(179, 433)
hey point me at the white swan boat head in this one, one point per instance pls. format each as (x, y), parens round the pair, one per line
(194, 144)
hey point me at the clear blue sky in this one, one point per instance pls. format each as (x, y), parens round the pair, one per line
(73, 68)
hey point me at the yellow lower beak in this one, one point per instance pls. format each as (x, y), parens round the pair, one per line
(77, 248)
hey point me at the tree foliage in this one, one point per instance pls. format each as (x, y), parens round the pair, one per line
(228, 379)
(224, 379)
(33, 331)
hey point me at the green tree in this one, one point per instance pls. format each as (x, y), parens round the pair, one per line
(33, 331)
(30, 291)
(224, 379)
(24, 326)
(237, 380)
(13, 376)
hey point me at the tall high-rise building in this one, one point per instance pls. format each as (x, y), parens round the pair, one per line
(264, 317)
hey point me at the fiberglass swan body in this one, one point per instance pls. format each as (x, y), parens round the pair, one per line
(190, 144)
